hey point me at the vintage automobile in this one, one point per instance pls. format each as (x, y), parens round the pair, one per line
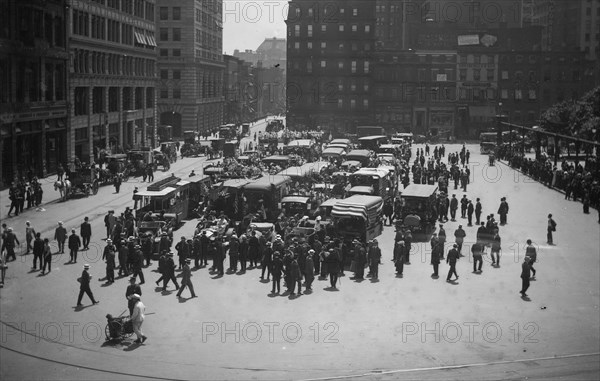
(282, 161)
(488, 142)
(266, 229)
(227, 197)
(115, 164)
(380, 180)
(267, 192)
(161, 160)
(346, 142)
(83, 182)
(418, 210)
(292, 205)
(350, 166)
(169, 149)
(336, 153)
(228, 131)
(361, 189)
(155, 230)
(358, 217)
(326, 207)
(231, 148)
(362, 155)
(140, 159)
(372, 142)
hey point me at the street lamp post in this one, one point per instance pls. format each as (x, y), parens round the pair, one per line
(106, 139)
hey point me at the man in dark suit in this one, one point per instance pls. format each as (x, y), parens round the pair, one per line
(525, 275)
(463, 206)
(478, 209)
(60, 235)
(453, 207)
(38, 250)
(74, 246)
(477, 251)
(132, 288)
(186, 280)
(86, 233)
(459, 235)
(503, 210)
(84, 286)
(451, 259)
(169, 274)
(470, 210)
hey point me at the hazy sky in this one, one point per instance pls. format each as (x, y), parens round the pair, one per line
(246, 23)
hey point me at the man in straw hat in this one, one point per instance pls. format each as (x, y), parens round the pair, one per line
(84, 287)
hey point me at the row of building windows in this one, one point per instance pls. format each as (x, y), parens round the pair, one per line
(86, 62)
(32, 24)
(26, 81)
(139, 8)
(208, 40)
(175, 74)
(354, 66)
(130, 99)
(102, 28)
(209, 21)
(328, 10)
(341, 28)
(208, 55)
(340, 46)
(175, 13)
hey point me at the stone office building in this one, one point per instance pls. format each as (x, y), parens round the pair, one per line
(191, 66)
(112, 76)
(33, 88)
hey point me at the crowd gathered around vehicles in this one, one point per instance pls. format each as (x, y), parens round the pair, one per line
(313, 207)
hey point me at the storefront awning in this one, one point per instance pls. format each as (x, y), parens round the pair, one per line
(139, 39)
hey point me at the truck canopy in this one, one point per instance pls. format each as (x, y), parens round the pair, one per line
(419, 190)
(366, 207)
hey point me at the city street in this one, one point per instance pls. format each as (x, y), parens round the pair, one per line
(415, 327)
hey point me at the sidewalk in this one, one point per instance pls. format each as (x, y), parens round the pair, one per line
(50, 195)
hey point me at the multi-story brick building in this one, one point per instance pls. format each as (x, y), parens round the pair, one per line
(329, 53)
(235, 90)
(190, 62)
(112, 76)
(33, 88)
(570, 26)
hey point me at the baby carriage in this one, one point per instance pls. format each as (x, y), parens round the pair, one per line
(118, 328)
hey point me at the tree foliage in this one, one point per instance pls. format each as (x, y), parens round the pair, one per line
(575, 118)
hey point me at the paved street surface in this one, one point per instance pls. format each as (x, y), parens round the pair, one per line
(415, 327)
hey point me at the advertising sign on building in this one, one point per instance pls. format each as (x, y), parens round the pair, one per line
(468, 39)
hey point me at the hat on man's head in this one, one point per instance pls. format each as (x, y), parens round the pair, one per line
(86, 266)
